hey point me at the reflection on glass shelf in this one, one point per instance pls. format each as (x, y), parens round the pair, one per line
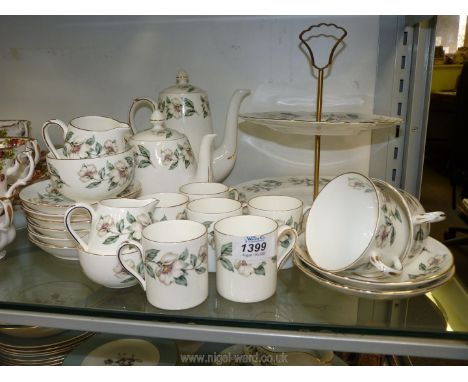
(31, 278)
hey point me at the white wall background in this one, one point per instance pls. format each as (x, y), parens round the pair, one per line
(64, 67)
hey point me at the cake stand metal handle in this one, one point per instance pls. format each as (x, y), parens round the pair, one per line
(318, 110)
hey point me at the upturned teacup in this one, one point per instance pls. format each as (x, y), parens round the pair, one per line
(208, 211)
(113, 221)
(200, 190)
(248, 256)
(175, 255)
(89, 137)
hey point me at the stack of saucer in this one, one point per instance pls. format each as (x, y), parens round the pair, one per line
(45, 209)
(49, 351)
(422, 273)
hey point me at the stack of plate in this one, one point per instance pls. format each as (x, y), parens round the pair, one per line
(424, 272)
(45, 210)
(39, 351)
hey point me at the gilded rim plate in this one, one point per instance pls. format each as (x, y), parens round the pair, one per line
(299, 186)
(332, 123)
(43, 197)
(434, 263)
(369, 293)
(116, 350)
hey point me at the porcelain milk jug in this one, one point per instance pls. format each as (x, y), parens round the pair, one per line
(165, 160)
(187, 110)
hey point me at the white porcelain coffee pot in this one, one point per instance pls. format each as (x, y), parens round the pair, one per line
(165, 160)
(187, 110)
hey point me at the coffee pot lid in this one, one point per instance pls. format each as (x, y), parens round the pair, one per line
(159, 131)
(183, 86)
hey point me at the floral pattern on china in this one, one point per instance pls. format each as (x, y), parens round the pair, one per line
(174, 268)
(87, 148)
(131, 226)
(242, 267)
(122, 274)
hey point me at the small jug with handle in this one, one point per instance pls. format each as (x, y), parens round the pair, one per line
(113, 221)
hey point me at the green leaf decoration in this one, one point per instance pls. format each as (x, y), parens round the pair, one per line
(90, 141)
(226, 249)
(120, 225)
(68, 136)
(422, 267)
(151, 254)
(397, 215)
(102, 173)
(98, 148)
(388, 221)
(144, 151)
(193, 260)
(180, 147)
(187, 163)
(181, 280)
(200, 270)
(188, 103)
(226, 264)
(392, 235)
(143, 163)
(130, 218)
(129, 160)
(93, 185)
(207, 224)
(141, 268)
(173, 165)
(183, 256)
(164, 218)
(109, 166)
(274, 259)
(112, 185)
(260, 270)
(150, 271)
(111, 239)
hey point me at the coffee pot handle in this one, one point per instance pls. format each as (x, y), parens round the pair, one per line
(68, 222)
(22, 181)
(136, 105)
(129, 269)
(287, 244)
(46, 137)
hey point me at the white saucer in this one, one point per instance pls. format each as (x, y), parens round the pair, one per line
(433, 264)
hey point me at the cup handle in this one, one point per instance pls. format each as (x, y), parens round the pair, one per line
(377, 263)
(7, 214)
(288, 250)
(132, 271)
(428, 217)
(46, 137)
(137, 104)
(68, 225)
(22, 181)
(233, 193)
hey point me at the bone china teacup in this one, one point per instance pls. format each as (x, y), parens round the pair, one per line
(89, 137)
(208, 211)
(113, 221)
(175, 255)
(199, 190)
(171, 206)
(248, 256)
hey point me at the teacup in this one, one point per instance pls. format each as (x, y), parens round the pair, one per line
(89, 137)
(171, 206)
(357, 225)
(283, 209)
(199, 190)
(10, 164)
(175, 255)
(248, 256)
(15, 128)
(92, 180)
(7, 228)
(208, 211)
(113, 221)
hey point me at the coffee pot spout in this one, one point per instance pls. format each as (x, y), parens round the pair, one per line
(204, 168)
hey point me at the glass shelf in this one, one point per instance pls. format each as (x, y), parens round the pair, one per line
(37, 288)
